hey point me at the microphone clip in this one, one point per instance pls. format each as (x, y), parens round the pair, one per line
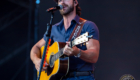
(53, 9)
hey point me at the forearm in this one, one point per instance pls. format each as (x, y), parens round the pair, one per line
(35, 54)
(35, 51)
(90, 55)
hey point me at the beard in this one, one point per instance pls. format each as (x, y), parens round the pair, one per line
(68, 10)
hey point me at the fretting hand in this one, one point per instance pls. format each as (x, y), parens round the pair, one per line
(70, 51)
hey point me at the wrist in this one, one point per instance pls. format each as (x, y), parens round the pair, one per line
(36, 59)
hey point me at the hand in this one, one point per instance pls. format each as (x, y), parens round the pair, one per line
(38, 63)
(70, 51)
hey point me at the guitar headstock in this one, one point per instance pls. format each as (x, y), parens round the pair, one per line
(81, 39)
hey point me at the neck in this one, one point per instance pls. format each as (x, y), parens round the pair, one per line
(67, 19)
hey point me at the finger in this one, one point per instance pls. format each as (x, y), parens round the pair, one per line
(46, 64)
(37, 69)
(44, 68)
(68, 52)
(70, 49)
(38, 65)
(65, 52)
(67, 42)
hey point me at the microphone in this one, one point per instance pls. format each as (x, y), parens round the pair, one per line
(55, 8)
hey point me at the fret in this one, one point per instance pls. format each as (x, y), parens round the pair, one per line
(73, 43)
(58, 54)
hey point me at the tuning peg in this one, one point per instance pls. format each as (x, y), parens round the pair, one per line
(84, 44)
(90, 36)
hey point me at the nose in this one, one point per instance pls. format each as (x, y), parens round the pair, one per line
(62, 1)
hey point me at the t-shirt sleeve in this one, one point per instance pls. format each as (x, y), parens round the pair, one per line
(92, 29)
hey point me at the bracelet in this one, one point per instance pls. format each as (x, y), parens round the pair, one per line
(79, 54)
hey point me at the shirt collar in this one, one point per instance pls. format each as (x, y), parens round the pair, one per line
(76, 19)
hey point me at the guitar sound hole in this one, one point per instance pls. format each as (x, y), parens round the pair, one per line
(51, 61)
(50, 68)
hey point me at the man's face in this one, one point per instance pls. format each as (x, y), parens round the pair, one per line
(68, 6)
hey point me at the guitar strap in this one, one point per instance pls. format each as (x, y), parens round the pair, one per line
(78, 28)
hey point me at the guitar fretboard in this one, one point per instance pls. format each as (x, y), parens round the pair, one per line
(57, 55)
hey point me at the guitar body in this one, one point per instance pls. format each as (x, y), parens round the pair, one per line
(60, 67)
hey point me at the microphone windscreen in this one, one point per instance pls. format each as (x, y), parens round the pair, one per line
(61, 7)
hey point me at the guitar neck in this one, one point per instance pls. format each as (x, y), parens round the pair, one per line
(81, 39)
(60, 53)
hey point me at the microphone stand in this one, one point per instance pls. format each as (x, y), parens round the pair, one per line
(47, 33)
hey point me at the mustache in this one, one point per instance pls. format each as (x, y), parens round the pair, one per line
(64, 5)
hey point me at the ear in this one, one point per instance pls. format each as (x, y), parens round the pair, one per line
(75, 2)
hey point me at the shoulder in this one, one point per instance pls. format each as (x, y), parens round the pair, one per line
(55, 25)
(92, 28)
(90, 25)
(58, 23)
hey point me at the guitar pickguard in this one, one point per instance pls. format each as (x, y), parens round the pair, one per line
(49, 70)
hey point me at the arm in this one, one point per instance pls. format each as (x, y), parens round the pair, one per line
(35, 54)
(90, 55)
(93, 46)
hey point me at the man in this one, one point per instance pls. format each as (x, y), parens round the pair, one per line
(87, 54)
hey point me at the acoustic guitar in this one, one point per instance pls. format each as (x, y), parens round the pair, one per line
(58, 68)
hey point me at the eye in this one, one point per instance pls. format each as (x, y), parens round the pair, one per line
(59, 0)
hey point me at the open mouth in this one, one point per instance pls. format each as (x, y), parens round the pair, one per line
(64, 6)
